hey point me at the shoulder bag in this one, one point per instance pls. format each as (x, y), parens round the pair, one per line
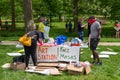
(25, 40)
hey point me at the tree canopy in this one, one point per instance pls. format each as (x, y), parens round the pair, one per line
(58, 8)
(62, 7)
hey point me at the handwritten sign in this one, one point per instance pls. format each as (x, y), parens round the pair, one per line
(67, 53)
(57, 53)
(47, 54)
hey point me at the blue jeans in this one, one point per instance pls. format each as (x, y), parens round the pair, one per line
(81, 35)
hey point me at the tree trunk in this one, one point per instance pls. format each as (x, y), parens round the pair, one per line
(75, 16)
(13, 15)
(28, 17)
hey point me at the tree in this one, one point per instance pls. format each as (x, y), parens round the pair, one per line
(13, 15)
(115, 6)
(5, 9)
(53, 7)
(105, 8)
(28, 17)
(75, 14)
(40, 8)
(68, 7)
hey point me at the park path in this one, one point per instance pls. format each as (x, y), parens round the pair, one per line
(100, 43)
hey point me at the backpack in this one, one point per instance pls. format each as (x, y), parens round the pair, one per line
(19, 59)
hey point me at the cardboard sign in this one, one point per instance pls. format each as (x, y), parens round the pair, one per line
(67, 53)
(46, 32)
(47, 54)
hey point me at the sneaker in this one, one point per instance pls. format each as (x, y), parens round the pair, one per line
(99, 63)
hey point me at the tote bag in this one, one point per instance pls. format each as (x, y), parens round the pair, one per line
(25, 40)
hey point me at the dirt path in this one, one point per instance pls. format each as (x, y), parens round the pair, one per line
(109, 43)
(100, 43)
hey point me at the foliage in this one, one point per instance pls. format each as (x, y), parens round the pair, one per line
(115, 9)
(4, 9)
(105, 7)
(19, 10)
(89, 7)
(62, 7)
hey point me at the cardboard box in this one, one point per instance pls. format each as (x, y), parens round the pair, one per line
(48, 64)
(18, 66)
(42, 68)
(62, 66)
(54, 71)
(78, 70)
(87, 69)
(75, 70)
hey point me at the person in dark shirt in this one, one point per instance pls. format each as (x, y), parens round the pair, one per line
(70, 26)
(81, 29)
(6, 24)
(88, 27)
(66, 26)
(31, 50)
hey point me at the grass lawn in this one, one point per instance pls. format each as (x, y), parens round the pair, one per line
(110, 70)
(58, 28)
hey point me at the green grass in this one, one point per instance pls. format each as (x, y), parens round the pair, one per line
(110, 69)
(58, 28)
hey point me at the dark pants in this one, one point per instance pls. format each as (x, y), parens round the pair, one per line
(31, 51)
(81, 35)
(42, 35)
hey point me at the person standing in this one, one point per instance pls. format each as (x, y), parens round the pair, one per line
(95, 38)
(81, 30)
(41, 28)
(66, 27)
(45, 21)
(117, 28)
(70, 26)
(31, 50)
(88, 28)
(88, 32)
(6, 24)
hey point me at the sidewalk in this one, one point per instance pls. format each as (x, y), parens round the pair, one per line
(109, 43)
(8, 42)
(100, 43)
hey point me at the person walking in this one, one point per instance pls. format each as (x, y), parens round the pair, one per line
(31, 50)
(95, 38)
